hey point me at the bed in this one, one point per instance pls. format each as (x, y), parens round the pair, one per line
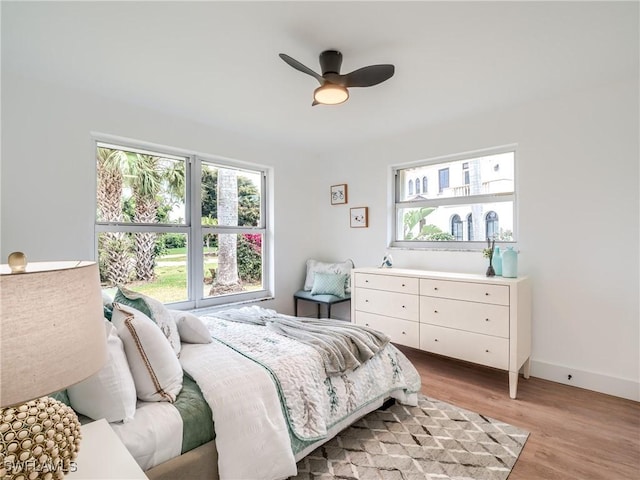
(257, 392)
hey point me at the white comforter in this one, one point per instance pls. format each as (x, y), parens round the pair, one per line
(245, 384)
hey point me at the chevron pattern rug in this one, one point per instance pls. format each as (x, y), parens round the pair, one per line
(434, 440)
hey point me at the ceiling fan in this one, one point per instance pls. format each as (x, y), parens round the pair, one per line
(333, 85)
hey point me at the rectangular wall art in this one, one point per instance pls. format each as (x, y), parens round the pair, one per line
(359, 217)
(339, 194)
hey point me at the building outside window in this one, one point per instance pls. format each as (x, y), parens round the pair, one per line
(470, 187)
(491, 221)
(443, 179)
(182, 228)
(456, 227)
(465, 173)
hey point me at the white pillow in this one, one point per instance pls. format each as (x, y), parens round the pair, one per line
(314, 266)
(153, 309)
(110, 393)
(156, 370)
(191, 328)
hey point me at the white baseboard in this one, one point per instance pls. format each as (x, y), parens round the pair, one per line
(619, 387)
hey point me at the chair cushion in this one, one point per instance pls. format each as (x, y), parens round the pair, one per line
(329, 284)
(327, 299)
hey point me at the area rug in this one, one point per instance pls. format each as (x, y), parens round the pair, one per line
(434, 440)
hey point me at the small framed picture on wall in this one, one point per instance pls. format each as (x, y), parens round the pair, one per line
(338, 194)
(360, 217)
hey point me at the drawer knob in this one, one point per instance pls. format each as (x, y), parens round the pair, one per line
(404, 333)
(403, 284)
(366, 324)
(486, 293)
(435, 288)
(403, 306)
(366, 281)
(486, 319)
(435, 311)
(487, 351)
(366, 301)
(436, 339)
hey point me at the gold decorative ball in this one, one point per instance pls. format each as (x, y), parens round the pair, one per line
(38, 440)
(17, 262)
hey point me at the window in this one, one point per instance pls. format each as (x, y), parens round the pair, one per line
(491, 221)
(443, 176)
(456, 227)
(417, 186)
(180, 227)
(424, 184)
(410, 187)
(444, 215)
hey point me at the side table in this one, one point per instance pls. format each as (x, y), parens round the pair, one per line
(103, 456)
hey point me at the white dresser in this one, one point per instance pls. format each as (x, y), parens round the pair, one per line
(484, 320)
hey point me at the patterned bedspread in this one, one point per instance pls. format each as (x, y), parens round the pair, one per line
(312, 400)
(271, 397)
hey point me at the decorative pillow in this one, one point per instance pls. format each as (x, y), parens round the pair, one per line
(314, 266)
(156, 370)
(110, 393)
(153, 309)
(191, 328)
(329, 284)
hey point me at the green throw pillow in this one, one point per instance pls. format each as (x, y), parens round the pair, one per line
(133, 299)
(329, 284)
(153, 309)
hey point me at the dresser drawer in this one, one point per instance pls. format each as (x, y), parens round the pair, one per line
(472, 347)
(399, 331)
(475, 317)
(474, 292)
(390, 304)
(390, 283)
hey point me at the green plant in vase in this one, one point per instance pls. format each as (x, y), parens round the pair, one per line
(488, 253)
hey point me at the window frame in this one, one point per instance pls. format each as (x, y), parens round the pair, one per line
(396, 205)
(193, 228)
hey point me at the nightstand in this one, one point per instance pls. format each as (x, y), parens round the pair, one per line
(103, 456)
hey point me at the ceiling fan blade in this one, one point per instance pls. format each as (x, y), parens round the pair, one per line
(300, 67)
(367, 76)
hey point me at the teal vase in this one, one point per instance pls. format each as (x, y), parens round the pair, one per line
(510, 263)
(497, 261)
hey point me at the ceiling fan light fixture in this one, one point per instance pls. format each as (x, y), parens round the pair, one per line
(330, 94)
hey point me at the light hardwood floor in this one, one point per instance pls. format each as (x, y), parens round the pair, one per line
(575, 434)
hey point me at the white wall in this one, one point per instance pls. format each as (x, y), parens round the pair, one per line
(48, 173)
(578, 197)
(578, 205)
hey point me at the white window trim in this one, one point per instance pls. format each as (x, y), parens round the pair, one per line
(457, 246)
(193, 210)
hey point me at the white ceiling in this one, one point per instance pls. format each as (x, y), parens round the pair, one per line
(217, 62)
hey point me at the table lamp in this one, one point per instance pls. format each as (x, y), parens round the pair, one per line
(51, 336)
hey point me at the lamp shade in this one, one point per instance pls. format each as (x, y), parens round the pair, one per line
(51, 328)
